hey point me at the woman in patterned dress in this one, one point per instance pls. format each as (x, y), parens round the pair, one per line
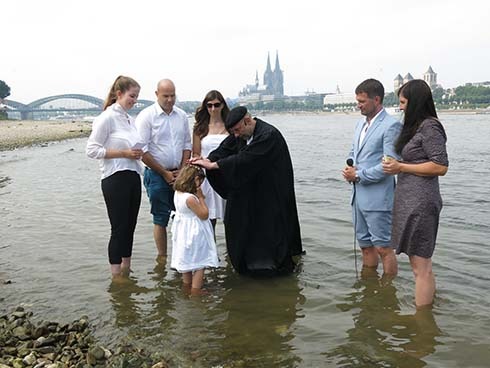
(418, 203)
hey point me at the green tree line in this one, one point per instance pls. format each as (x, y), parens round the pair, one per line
(4, 90)
(463, 96)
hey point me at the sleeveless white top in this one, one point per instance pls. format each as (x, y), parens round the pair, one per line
(215, 203)
(193, 245)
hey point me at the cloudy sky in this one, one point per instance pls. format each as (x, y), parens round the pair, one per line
(54, 47)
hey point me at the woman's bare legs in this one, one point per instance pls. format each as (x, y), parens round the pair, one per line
(425, 283)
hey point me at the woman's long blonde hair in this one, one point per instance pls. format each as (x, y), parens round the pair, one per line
(122, 84)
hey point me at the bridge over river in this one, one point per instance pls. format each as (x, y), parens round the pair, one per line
(67, 106)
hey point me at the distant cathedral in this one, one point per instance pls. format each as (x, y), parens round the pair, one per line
(273, 83)
(430, 77)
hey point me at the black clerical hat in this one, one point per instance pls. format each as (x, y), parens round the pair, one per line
(234, 116)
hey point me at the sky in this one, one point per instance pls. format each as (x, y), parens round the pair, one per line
(54, 47)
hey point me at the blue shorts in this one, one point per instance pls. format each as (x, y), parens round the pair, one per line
(161, 196)
(373, 228)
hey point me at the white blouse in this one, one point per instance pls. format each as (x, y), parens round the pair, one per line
(113, 129)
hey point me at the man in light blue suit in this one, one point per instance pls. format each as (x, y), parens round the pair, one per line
(373, 190)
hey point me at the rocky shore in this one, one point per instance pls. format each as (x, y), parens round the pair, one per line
(20, 133)
(24, 343)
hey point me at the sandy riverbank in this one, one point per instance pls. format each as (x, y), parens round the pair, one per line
(20, 133)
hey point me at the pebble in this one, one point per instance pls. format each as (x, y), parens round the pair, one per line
(53, 345)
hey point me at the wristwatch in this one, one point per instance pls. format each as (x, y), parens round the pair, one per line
(358, 179)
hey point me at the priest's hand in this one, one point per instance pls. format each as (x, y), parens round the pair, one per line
(204, 162)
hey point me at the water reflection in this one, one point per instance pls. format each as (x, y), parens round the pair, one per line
(161, 320)
(257, 326)
(381, 336)
(241, 322)
(124, 296)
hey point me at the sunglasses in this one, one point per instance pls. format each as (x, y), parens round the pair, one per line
(215, 105)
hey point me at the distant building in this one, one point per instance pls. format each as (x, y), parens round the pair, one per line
(339, 101)
(430, 77)
(271, 89)
(479, 84)
(407, 78)
(398, 82)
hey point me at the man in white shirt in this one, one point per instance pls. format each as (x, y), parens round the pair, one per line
(164, 128)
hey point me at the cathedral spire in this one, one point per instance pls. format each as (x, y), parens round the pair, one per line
(277, 67)
(278, 78)
(269, 76)
(268, 69)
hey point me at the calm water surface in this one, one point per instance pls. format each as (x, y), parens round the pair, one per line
(54, 233)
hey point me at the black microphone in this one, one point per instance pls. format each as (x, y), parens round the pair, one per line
(350, 163)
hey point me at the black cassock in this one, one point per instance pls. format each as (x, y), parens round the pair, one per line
(261, 219)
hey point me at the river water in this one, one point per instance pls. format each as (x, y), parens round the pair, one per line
(54, 232)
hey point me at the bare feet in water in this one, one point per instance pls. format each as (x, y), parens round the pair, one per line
(199, 292)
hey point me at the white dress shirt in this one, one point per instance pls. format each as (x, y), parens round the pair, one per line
(166, 135)
(113, 129)
(367, 125)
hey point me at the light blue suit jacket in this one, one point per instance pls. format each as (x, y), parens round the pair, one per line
(375, 190)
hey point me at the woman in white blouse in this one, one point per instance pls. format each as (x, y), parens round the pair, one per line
(208, 133)
(115, 142)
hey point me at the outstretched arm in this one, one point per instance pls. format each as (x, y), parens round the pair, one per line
(204, 162)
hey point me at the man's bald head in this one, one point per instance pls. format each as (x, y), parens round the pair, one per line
(166, 95)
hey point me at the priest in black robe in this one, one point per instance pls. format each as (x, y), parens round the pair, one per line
(252, 170)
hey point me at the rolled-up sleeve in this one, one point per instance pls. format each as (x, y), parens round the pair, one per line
(143, 127)
(95, 144)
(434, 142)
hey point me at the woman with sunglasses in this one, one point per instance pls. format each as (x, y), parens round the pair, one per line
(208, 133)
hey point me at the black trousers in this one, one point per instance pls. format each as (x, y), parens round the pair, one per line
(122, 195)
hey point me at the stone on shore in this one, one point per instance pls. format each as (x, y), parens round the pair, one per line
(53, 345)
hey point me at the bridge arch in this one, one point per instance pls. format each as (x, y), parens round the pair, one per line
(90, 99)
(15, 105)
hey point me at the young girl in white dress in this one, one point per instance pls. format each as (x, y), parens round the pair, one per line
(193, 245)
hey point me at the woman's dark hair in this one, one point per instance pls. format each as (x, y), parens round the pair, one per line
(201, 126)
(185, 180)
(420, 106)
(122, 84)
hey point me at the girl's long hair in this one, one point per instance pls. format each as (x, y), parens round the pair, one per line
(420, 106)
(201, 126)
(122, 84)
(185, 181)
